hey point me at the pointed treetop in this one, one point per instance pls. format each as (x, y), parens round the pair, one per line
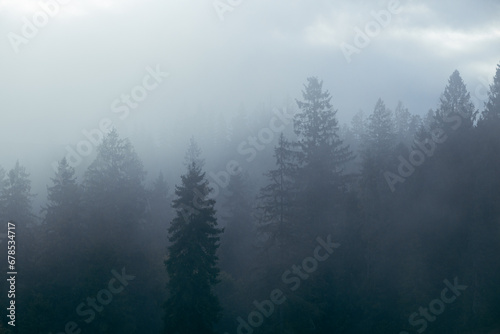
(492, 107)
(455, 105)
(193, 155)
(316, 123)
(314, 96)
(64, 172)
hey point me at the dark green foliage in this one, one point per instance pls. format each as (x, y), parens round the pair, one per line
(192, 306)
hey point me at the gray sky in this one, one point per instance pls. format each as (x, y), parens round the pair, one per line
(65, 76)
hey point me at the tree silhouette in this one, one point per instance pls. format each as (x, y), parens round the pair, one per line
(192, 306)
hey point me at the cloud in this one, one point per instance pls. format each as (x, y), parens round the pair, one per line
(72, 9)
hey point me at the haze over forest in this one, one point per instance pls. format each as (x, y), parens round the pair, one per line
(251, 167)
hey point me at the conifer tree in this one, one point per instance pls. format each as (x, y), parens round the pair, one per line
(61, 212)
(277, 225)
(322, 157)
(491, 112)
(16, 199)
(378, 148)
(192, 306)
(456, 110)
(62, 240)
(114, 194)
(405, 125)
(381, 137)
(16, 196)
(113, 209)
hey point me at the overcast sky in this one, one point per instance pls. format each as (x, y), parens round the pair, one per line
(64, 77)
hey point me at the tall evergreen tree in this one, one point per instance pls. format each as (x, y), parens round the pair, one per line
(378, 148)
(114, 210)
(491, 112)
(456, 110)
(60, 255)
(192, 306)
(381, 136)
(62, 239)
(63, 208)
(278, 229)
(405, 124)
(277, 223)
(114, 194)
(322, 156)
(16, 196)
(16, 199)
(483, 241)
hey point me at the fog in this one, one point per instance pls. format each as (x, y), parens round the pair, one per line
(228, 77)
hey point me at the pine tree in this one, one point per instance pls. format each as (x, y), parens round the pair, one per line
(381, 137)
(61, 212)
(60, 253)
(16, 200)
(378, 148)
(378, 157)
(456, 110)
(317, 128)
(322, 157)
(405, 125)
(277, 200)
(192, 306)
(491, 112)
(282, 240)
(16, 196)
(482, 242)
(62, 239)
(114, 209)
(358, 128)
(114, 194)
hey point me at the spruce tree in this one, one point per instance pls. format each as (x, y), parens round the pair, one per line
(63, 208)
(16, 196)
(276, 210)
(381, 137)
(491, 112)
(456, 110)
(378, 149)
(114, 194)
(60, 252)
(113, 209)
(16, 200)
(405, 124)
(322, 157)
(192, 306)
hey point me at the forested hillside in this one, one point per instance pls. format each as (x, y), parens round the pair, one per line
(389, 224)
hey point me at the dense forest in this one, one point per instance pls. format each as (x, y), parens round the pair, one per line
(389, 224)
